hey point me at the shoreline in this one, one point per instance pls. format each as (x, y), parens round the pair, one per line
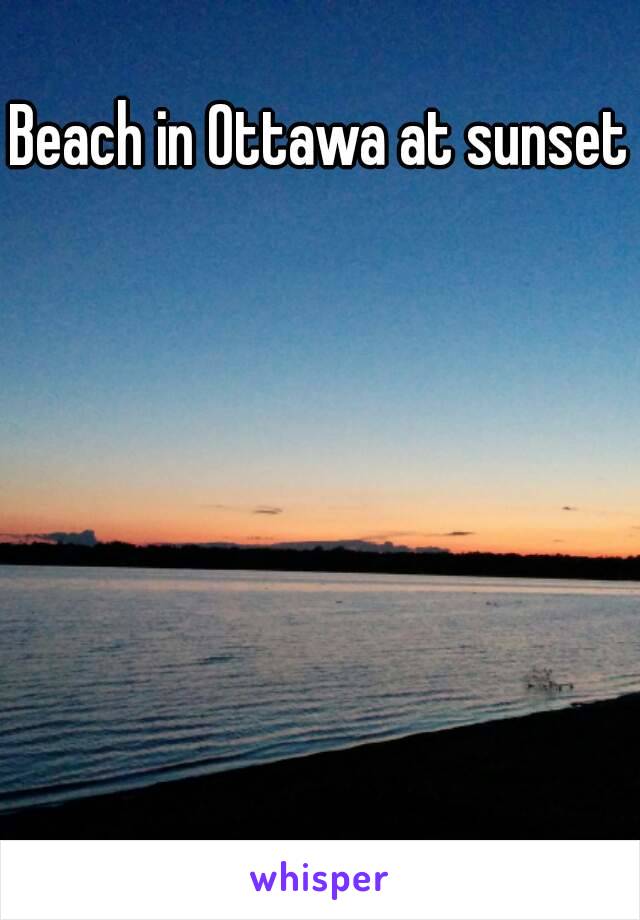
(564, 773)
(328, 561)
(506, 577)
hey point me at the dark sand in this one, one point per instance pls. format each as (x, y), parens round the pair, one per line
(564, 774)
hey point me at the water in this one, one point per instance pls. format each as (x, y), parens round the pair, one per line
(111, 678)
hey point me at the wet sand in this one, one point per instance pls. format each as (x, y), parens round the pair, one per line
(572, 773)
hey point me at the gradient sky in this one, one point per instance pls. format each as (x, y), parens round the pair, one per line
(389, 354)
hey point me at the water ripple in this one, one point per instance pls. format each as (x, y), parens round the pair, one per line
(111, 679)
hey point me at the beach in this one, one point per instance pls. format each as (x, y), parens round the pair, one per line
(569, 773)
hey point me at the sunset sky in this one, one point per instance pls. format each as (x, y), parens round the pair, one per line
(260, 355)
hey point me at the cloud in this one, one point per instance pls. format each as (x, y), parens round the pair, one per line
(569, 508)
(367, 546)
(245, 509)
(453, 533)
(394, 534)
(82, 538)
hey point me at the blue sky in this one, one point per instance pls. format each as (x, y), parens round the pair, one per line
(389, 351)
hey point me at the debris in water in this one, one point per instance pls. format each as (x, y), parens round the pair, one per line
(542, 679)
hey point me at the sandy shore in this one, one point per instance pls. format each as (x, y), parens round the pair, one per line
(564, 774)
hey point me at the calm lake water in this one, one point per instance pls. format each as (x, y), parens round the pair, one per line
(111, 678)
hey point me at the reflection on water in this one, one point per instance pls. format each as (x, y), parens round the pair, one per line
(115, 677)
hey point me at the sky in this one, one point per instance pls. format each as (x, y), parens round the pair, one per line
(439, 357)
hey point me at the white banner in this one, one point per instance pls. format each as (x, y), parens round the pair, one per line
(212, 880)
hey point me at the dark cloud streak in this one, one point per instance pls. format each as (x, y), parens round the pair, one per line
(454, 533)
(245, 509)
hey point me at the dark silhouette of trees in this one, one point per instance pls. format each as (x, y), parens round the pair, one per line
(322, 560)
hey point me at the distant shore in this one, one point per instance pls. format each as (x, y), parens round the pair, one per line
(337, 560)
(567, 773)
